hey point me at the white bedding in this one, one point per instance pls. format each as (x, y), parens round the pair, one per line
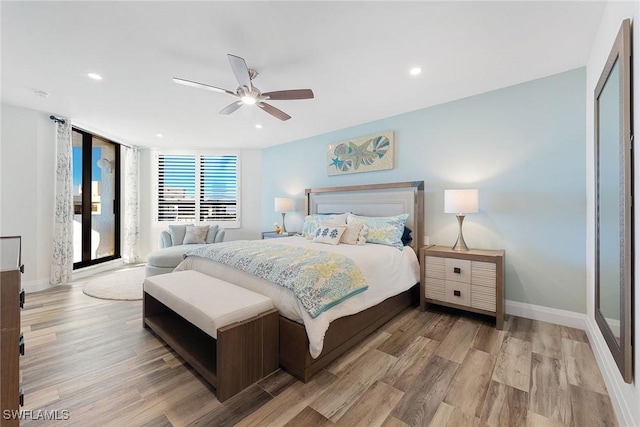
(387, 271)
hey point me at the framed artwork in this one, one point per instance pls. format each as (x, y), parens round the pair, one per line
(362, 154)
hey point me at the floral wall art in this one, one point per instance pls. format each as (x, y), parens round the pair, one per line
(362, 154)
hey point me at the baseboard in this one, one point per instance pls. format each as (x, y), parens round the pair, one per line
(98, 268)
(43, 284)
(36, 285)
(606, 364)
(610, 373)
(547, 314)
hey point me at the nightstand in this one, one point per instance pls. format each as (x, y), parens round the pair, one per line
(274, 235)
(472, 280)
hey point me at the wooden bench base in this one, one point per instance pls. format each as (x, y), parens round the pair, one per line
(245, 352)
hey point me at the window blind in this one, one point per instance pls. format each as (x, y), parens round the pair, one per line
(198, 188)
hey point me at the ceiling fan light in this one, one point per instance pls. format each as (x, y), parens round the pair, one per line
(249, 100)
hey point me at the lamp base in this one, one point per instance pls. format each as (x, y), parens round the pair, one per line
(284, 229)
(460, 244)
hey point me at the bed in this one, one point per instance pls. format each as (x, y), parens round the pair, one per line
(307, 344)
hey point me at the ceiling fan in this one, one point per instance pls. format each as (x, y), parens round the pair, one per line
(247, 93)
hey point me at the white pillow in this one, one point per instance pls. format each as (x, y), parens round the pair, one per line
(312, 222)
(351, 234)
(195, 234)
(329, 233)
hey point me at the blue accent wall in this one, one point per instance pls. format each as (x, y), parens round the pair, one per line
(522, 147)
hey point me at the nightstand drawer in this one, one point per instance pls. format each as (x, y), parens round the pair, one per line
(434, 288)
(434, 267)
(458, 293)
(458, 270)
(483, 297)
(483, 274)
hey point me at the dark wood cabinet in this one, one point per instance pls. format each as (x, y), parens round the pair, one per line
(11, 342)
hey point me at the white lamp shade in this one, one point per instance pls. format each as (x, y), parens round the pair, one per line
(460, 201)
(283, 204)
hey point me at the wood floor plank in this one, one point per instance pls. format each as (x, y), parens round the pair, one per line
(582, 368)
(289, 402)
(398, 342)
(513, 366)
(505, 406)
(393, 422)
(439, 326)
(372, 408)
(520, 328)
(537, 420)
(589, 408)
(458, 341)
(236, 408)
(345, 361)
(410, 363)
(338, 397)
(277, 382)
(573, 334)
(309, 417)
(469, 387)
(420, 403)
(547, 339)
(549, 394)
(442, 415)
(460, 418)
(488, 339)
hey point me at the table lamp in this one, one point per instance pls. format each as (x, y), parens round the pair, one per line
(283, 205)
(460, 202)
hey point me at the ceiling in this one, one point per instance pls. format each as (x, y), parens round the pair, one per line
(355, 56)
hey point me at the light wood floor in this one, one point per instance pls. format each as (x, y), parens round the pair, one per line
(93, 358)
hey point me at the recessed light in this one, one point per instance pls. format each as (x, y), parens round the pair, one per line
(258, 126)
(94, 76)
(415, 71)
(159, 135)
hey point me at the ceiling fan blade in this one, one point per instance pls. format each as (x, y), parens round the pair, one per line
(202, 86)
(274, 111)
(231, 107)
(290, 94)
(240, 69)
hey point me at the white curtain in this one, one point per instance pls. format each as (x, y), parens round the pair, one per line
(131, 217)
(62, 262)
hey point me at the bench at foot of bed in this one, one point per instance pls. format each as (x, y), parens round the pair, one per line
(228, 334)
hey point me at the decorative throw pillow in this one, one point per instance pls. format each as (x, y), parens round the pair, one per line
(329, 233)
(384, 230)
(195, 234)
(351, 233)
(211, 234)
(312, 222)
(406, 236)
(177, 233)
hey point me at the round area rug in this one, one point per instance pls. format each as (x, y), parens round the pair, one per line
(121, 285)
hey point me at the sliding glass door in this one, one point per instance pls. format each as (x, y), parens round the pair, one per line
(96, 199)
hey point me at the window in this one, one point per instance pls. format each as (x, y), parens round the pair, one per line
(198, 188)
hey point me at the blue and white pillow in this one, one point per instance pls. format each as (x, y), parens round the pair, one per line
(312, 222)
(383, 230)
(329, 233)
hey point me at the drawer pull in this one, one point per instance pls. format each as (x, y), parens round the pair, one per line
(456, 293)
(21, 299)
(22, 268)
(21, 396)
(457, 270)
(21, 344)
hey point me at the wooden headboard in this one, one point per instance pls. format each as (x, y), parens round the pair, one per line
(373, 200)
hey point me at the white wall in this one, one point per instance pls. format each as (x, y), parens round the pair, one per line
(27, 172)
(626, 397)
(250, 193)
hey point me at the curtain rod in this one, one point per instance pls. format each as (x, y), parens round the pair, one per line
(57, 120)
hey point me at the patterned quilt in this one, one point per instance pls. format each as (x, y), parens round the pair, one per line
(318, 279)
